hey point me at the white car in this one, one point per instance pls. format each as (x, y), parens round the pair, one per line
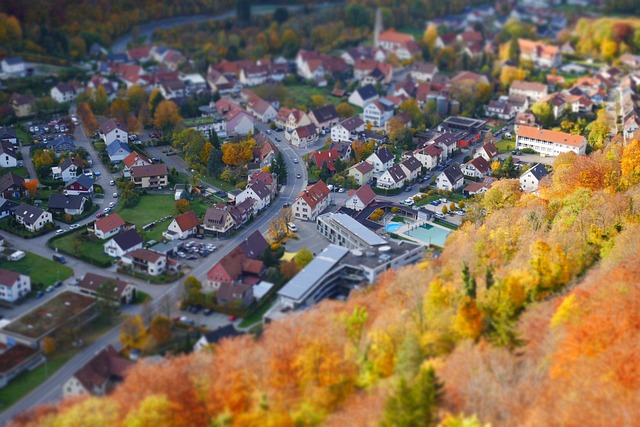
(73, 226)
(292, 227)
(107, 210)
(295, 160)
(409, 201)
(112, 182)
(439, 215)
(60, 231)
(341, 190)
(112, 204)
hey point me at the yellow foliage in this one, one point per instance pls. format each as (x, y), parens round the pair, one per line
(566, 312)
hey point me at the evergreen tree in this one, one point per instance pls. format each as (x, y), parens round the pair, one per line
(414, 405)
(214, 139)
(325, 173)
(279, 167)
(214, 163)
(468, 282)
(514, 50)
(488, 278)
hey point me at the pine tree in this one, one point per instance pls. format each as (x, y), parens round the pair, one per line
(488, 278)
(413, 405)
(468, 282)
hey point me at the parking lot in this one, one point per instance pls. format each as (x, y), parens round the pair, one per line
(44, 133)
(192, 250)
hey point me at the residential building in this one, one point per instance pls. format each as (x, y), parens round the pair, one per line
(392, 178)
(8, 156)
(23, 105)
(218, 221)
(362, 172)
(123, 243)
(99, 375)
(63, 92)
(8, 134)
(214, 337)
(311, 201)
(488, 151)
(540, 54)
(477, 167)
(429, 156)
(83, 184)
(72, 204)
(533, 91)
(478, 187)
(524, 119)
(66, 171)
(16, 359)
(320, 158)
(260, 109)
(411, 167)
(118, 151)
(240, 124)
(98, 286)
(403, 46)
(363, 95)
(378, 112)
(324, 117)
(304, 136)
(32, 217)
(451, 179)
(270, 180)
(62, 143)
(150, 176)
(12, 186)
(183, 226)
(242, 212)
(360, 198)
(6, 209)
(381, 159)
(294, 119)
(109, 226)
(347, 129)
(549, 142)
(110, 130)
(343, 148)
(145, 261)
(134, 159)
(14, 66)
(500, 108)
(423, 72)
(530, 180)
(13, 286)
(235, 269)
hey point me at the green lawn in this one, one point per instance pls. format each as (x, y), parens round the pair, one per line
(23, 172)
(505, 145)
(90, 247)
(218, 183)
(23, 136)
(43, 272)
(428, 199)
(256, 316)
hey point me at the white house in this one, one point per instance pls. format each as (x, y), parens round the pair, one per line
(108, 226)
(533, 91)
(258, 192)
(134, 159)
(381, 159)
(394, 177)
(304, 136)
(13, 286)
(71, 204)
(448, 142)
(451, 179)
(347, 129)
(118, 151)
(261, 109)
(13, 66)
(123, 243)
(311, 201)
(411, 167)
(254, 75)
(488, 152)
(145, 261)
(63, 92)
(67, 171)
(240, 124)
(33, 218)
(530, 180)
(477, 167)
(183, 226)
(110, 130)
(423, 72)
(378, 112)
(363, 95)
(429, 156)
(360, 198)
(549, 142)
(214, 337)
(8, 156)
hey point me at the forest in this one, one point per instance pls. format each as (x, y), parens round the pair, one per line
(528, 317)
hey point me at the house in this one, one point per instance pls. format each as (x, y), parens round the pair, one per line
(62, 143)
(66, 171)
(108, 226)
(150, 176)
(218, 221)
(14, 66)
(173, 89)
(8, 156)
(488, 152)
(235, 269)
(72, 204)
(478, 187)
(81, 185)
(311, 202)
(378, 112)
(342, 147)
(360, 198)
(403, 46)
(63, 92)
(7, 207)
(118, 151)
(533, 91)
(134, 159)
(347, 129)
(183, 226)
(363, 95)
(362, 172)
(524, 119)
(451, 179)
(270, 180)
(295, 119)
(110, 130)
(501, 109)
(394, 177)
(239, 294)
(370, 71)
(320, 158)
(123, 243)
(240, 124)
(549, 142)
(258, 192)
(242, 212)
(411, 167)
(448, 142)
(32, 217)
(13, 286)
(304, 136)
(429, 156)
(23, 105)
(530, 180)
(258, 107)
(214, 337)
(464, 77)
(118, 290)
(8, 134)
(423, 72)
(12, 186)
(631, 61)
(99, 375)
(145, 261)
(324, 117)
(540, 54)
(381, 159)
(477, 167)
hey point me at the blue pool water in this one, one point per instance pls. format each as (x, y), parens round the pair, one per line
(429, 234)
(393, 226)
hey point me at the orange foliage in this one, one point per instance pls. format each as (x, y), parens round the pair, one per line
(31, 186)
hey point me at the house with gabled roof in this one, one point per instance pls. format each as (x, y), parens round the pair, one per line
(361, 172)
(218, 221)
(363, 95)
(12, 186)
(123, 243)
(242, 212)
(542, 55)
(13, 286)
(488, 152)
(118, 151)
(477, 167)
(324, 117)
(83, 184)
(381, 159)
(67, 170)
(134, 159)
(118, 290)
(62, 143)
(347, 129)
(451, 179)
(99, 375)
(311, 201)
(295, 119)
(403, 46)
(183, 226)
(378, 112)
(412, 167)
(429, 156)
(530, 180)
(394, 177)
(32, 218)
(479, 187)
(423, 71)
(549, 142)
(8, 134)
(258, 192)
(259, 108)
(304, 136)
(270, 180)
(145, 261)
(63, 92)
(8, 156)
(72, 204)
(7, 207)
(360, 198)
(342, 147)
(235, 269)
(533, 91)
(110, 130)
(319, 158)
(108, 226)
(150, 176)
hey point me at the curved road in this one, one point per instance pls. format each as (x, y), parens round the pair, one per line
(146, 30)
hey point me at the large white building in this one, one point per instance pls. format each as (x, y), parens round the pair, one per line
(549, 142)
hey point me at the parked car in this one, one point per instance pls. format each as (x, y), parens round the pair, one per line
(407, 189)
(60, 231)
(39, 294)
(112, 182)
(50, 289)
(439, 215)
(57, 284)
(292, 227)
(115, 195)
(73, 226)
(112, 204)
(341, 190)
(59, 258)
(295, 161)
(101, 215)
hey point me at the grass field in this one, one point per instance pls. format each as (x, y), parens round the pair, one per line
(43, 272)
(505, 145)
(218, 183)
(92, 247)
(18, 171)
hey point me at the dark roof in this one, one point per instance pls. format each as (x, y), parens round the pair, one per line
(63, 143)
(7, 205)
(254, 245)
(83, 180)
(397, 173)
(367, 91)
(92, 282)
(538, 171)
(453, 173)
(412, 163)
(14, 60)
(102, 368)
(110, 125)
(7, 148)
(117, 145)
(29, 214)
(384, 154)
(128, 239)
(7, 132)
(9, 180)
(352, 123)
(63, 201)
(445, 138)
(261, 190)
(325, 114)
(221, 333)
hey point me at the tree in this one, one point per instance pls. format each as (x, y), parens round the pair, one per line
(509, 74)
(599, 130)
(120, 110)
(99, 100)
(106, 302)
(182, 206)
(281, 15)
(429, 39)
(279, 167)
(356, 15)
(543, 113)
(214, 139)
(414, 404)
(48, 346)
(137, 96)
(345, 110)
(31, 186)
(445, 210)
(155, 98)
(303, 257)
(133, 334)
(289, 269)
(167, 117)
(160, 329)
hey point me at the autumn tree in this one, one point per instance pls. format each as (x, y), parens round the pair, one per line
(167, 118)
(160, 329)
(31, 186)
(414, 402)
(543, 112)
(48, 346)
(133, 333)
(303, 257)
(88, 119)
(182, 206)
(630, 164)
(154, 100)
(345, 110)
(289, 269)
(509, 74)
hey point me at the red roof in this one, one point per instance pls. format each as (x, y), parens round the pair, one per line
(109, 223)
(395, 37)
(365, 194)
(322, 157)
(315, 194)
(187, 221)
(133, 157)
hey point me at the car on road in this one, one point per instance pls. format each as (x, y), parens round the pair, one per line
(59, 258)
(409, 201)
(101, 215)
(97, 174)
(434, 202)
(115, 195)
(407, 189)
(233, 317)
(286, 205)
(112, 204)
(295, 161)
(106, 210)
(39, 294)
(57, 284)
(341, 190)
(278, 139)
(207, 311)
(298, 176)
(50, 289)
(112, 182)
(60, 231)
(292, 227)
(153, 135)
(155, 160)
(73, 226)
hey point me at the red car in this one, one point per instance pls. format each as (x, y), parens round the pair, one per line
(154, 135)
(233, 317)
(100, 215)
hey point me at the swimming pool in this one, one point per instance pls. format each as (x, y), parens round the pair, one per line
(393, 226)
(429, 234)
